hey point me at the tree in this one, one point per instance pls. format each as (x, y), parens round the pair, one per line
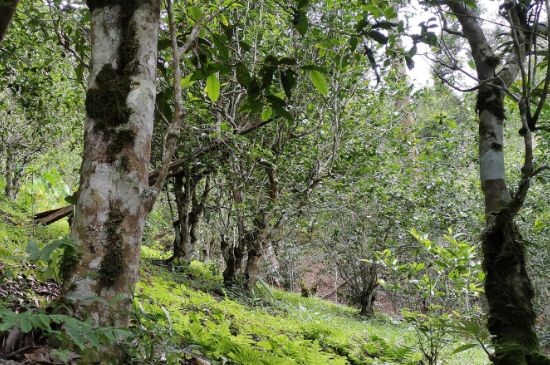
(508, 288)
(114, 195)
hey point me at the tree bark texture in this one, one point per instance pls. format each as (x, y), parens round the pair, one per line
(112, 200)
(234, 253)
(183, 191)
(511, 318)
(190, 208)
(7, 11)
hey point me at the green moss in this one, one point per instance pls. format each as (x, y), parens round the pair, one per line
(69, 261)
(112, 264)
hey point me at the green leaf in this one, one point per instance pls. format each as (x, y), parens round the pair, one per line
(196, 12)
(74, 330)
(300, 22)
(243, 76)
(25, 324)
(353, 42)
(303, 4)
(288, 80)
(318, 80)
(266, 114)
(213, 87)
(465, 347)
(186, 81)
(33, 250)
(390, 12)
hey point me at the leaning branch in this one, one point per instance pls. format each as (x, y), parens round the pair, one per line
(176, 169)
(173, 132)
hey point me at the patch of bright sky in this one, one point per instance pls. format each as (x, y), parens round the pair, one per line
(421, 74)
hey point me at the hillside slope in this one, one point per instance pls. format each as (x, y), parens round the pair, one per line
(186, 316)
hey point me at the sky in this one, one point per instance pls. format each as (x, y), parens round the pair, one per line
(420, 75)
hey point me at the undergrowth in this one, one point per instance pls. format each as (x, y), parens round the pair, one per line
(184, 313)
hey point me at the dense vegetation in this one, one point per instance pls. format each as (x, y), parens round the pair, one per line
(260, 182)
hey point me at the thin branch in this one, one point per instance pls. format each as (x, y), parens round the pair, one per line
(173, 131)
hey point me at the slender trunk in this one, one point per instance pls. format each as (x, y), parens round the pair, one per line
(10, 189)
(182, 242)
(368, 295)
(234, 254)
(197, 210)
(256, 242)
(511, 318)
(7, 10)
(111, 208)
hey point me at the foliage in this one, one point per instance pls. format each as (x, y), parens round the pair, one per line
(451, 276)
(174, 322)
(63, 328)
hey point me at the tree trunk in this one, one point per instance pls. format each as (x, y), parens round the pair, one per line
(233, 254)
(11, 188)
(256, 242)
(253, 264)
(182, 241)
(234, 257)
(112, 207)
(509, 293)
(195, 216)
(7, 10)
(511, 318)
(368, 294)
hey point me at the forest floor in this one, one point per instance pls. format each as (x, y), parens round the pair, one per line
(187, 314)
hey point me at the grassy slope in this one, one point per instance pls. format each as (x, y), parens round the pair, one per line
(178, 314)
(270, 327)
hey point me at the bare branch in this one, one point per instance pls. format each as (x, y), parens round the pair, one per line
(173, 131)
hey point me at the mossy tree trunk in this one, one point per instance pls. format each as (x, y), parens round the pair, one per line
(112, 200)
(256, 244)
(262, 229)
(511, 318)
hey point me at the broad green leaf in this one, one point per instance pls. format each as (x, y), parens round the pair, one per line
(318, 80)
(465, 347)
(196, 12)
(213, 87)
(300, 22)
(186, 81)
(33, 250)
(25, 324)
(266, 113)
